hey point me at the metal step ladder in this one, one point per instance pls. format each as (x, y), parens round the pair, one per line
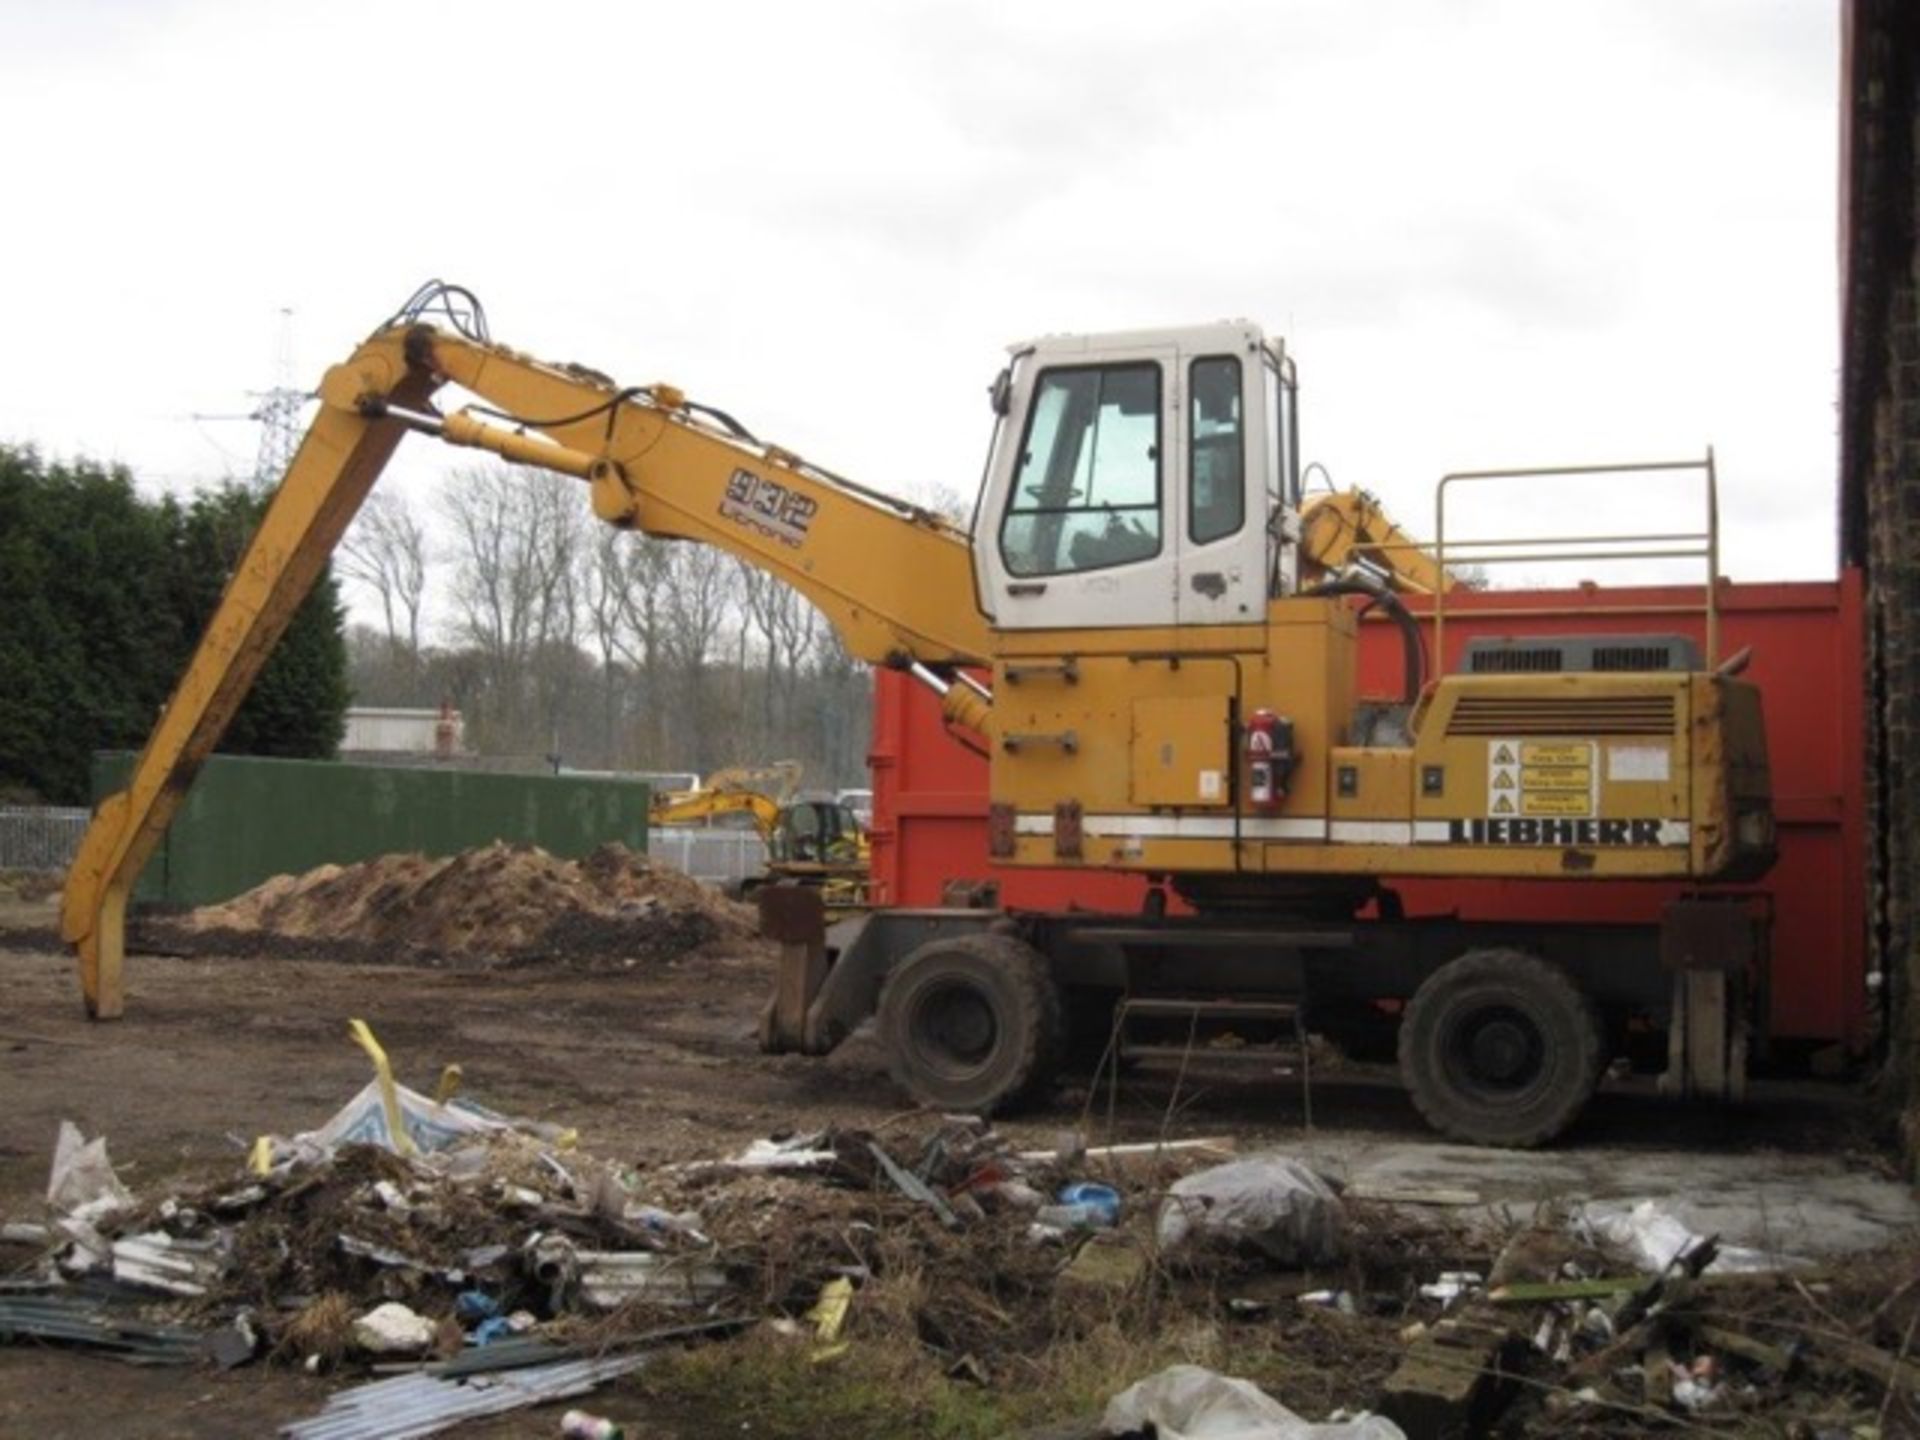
(1143, 1024)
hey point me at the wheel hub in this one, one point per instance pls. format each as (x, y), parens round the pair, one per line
(1497, 1050)
(1500, 1051)
(957, 1024)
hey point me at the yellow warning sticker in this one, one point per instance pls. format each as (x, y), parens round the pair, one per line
(1554, 802)
(1573, 753)
(1556, 777)
(1547, 778)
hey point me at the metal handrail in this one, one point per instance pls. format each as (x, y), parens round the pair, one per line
(1703, 545)
(1569, 540)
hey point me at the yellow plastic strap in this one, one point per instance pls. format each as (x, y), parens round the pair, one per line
(829, 1312)
(389, 1094)
(449, 1084)
(260, 1158)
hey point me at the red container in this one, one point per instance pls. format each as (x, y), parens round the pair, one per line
(930, 793)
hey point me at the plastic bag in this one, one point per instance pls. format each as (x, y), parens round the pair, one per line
(1190, 1402)
(1271, 1203)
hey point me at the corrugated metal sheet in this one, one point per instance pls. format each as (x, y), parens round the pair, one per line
(516, 1352)
(409, 1406)
(83, 1320)
(158, 1261)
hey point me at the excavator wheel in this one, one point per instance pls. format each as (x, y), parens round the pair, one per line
(972, 1024)
(1499, 1047)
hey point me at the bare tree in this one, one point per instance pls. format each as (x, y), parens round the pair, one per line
(609, 648)
(385, 550)
(699, 593)
(840, 704)
(797, 627)
(517, 537)
(622, 586)
(787, 625)
(602, 594)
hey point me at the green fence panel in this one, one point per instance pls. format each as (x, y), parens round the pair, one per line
(246, 819)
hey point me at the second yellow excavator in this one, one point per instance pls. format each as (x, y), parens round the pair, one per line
(811, 840)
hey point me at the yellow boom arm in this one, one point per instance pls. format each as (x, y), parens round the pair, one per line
(779, 779)
(1345, 526)
(896, 581)
(685, 807)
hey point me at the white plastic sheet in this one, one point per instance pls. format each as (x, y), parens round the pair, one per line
(363, 1121)
(1190, 1402)
(1271, 1203)
(799, 1152)
(82, 1181)
(83, 1193)
(1655, 1237)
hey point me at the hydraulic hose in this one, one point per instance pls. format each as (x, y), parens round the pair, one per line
(1412, 648)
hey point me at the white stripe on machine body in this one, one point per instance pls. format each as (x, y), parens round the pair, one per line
(1278, 827)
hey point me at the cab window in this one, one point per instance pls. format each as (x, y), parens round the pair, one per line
(1283, 448)
(1216, 450)
(1086, 491)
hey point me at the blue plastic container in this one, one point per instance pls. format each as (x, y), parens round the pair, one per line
(1101, 1201)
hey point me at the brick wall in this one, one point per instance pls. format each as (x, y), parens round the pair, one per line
(1880, 489)
(1893, 607)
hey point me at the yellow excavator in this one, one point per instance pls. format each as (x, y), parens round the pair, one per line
(811, 840)
(1171, 692)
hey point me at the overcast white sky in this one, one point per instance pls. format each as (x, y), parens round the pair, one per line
(1492, 231)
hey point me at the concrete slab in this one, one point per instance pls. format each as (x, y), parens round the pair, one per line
(1792, 1203)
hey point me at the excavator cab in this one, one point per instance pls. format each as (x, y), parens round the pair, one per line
(817, 842)
(1142, 478)
(814, 830)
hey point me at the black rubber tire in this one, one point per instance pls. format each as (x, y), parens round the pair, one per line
(1501, 1048)
(972, 1024)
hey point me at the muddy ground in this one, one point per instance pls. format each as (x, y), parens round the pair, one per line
(658, 1063)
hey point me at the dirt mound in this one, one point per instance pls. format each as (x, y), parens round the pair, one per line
(30, 886)
(499, 903)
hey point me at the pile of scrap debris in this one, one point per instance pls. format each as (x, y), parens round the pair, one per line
(498, 904)
(456, 1262)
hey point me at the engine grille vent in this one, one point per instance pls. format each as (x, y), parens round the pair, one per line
(1497, 715)
(1637, 657)
(1516, 660)
(1511, 655)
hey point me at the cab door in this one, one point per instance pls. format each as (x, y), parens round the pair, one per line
(1077, 528)
(1222, 501)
